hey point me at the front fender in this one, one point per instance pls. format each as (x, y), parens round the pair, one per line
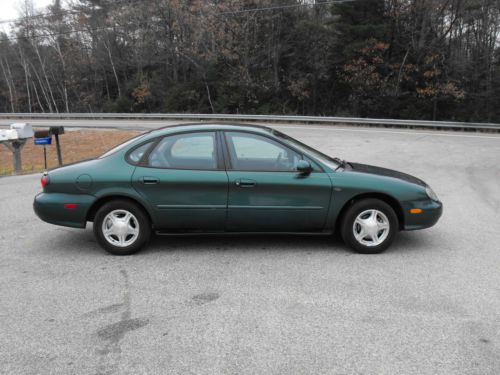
(349, 185)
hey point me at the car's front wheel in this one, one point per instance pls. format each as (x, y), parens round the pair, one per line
(121, 227)
(369, 226)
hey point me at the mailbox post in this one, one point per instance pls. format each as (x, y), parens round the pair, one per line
(15, 139)
(57, 131)
(15, 146)
(43, 138)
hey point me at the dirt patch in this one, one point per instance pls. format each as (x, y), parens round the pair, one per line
(76, 145)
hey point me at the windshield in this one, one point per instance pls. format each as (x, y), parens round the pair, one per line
(121, 145)
(328, 160)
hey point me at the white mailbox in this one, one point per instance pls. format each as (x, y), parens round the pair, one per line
(8, 135)
(23, 130)
(3, 135)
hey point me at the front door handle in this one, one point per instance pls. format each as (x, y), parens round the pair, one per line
(243, 182)
(150, 180)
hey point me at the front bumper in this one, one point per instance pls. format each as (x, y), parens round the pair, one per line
(431, 212)
(50, 207)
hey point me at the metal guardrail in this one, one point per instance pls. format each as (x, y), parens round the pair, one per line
(263, 118)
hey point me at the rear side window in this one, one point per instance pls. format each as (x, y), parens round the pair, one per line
(185, 151)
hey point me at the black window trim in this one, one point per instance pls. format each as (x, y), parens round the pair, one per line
(222, 151)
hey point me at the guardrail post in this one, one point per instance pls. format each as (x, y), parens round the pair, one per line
(16, 147)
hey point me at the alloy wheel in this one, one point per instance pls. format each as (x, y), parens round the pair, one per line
(371, 227)
(120, 228)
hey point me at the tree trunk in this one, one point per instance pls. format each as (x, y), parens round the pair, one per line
(44, 92)
(108, 49)
(49, 89)
(13, 110)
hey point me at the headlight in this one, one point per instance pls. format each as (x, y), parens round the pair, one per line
(431, 194)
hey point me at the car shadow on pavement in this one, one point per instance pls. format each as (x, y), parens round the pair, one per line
(66, 240)
(238, 243)
(404, 242)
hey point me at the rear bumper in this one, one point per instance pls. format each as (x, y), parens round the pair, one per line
(431, 212)
(50, 208)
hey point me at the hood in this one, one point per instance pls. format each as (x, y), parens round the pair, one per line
(364, 168)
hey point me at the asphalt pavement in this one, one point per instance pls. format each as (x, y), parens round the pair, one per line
(264, 304)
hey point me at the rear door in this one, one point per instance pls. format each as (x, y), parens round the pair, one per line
(266, 193)
(183, 178)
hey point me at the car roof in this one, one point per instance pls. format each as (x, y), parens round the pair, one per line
(193, 127)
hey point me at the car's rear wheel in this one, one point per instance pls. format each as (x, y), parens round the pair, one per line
(369, 226)
(121, 227)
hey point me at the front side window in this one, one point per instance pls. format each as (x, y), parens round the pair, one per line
(185, 151)
(328, 160)
(252, 152)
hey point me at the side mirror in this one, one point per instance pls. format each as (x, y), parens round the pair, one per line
(304, 167)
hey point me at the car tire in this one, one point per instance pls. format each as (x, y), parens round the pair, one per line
(369, 226)
(122, 227)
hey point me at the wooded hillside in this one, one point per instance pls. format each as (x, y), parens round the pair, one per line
(418, 59)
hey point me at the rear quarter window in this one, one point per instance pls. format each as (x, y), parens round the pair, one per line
(136, 155)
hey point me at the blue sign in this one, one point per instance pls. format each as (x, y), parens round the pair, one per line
(43, 141)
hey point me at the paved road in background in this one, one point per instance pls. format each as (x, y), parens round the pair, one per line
(268, 305)
(115, 124)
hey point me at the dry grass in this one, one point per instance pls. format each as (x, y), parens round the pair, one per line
(75, 145)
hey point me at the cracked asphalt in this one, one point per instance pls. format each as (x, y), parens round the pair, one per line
(268, 305)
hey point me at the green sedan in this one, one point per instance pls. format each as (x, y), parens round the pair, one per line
(215, 178)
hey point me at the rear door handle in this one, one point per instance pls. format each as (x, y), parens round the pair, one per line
(243, 182)
(150, 180)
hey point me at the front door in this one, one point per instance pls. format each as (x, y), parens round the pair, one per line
(266, 193)
(184, 180)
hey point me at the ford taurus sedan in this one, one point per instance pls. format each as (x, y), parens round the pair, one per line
(216, 178)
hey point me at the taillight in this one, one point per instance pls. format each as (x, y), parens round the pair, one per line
(45, 180)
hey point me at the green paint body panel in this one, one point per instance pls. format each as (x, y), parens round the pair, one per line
(279, 201)
(211, 200)
(50, 208)
(184, 199)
